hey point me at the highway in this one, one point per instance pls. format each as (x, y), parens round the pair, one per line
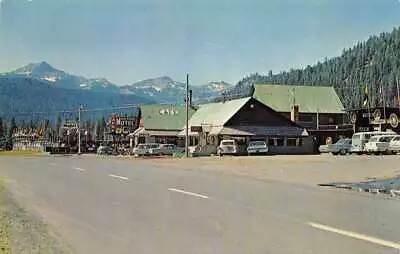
(129, 206)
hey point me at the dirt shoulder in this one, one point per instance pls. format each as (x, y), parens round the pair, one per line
(21, 232)
(302, 169)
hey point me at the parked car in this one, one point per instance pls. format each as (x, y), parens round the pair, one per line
(378, 144)
(147, 149)
(169, 149)
(394, 144)
(104, 150)
(228, 146)
(324, 148)
(257, 147)
(342, 146)
(359, 140)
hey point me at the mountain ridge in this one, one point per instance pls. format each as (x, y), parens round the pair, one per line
(161, 89)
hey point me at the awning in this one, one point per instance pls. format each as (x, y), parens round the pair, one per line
(190, 133)
(162, 133)
(253, 131)
(259, 131)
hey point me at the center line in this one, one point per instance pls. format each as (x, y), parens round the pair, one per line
(356, 235)
(188, 193)
(119, 177)
(80, 169)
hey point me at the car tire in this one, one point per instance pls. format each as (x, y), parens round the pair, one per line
(343, 152)
(334, 153)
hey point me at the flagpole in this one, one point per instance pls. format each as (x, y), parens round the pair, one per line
(398, 95)
(368, 105)
(384, 103)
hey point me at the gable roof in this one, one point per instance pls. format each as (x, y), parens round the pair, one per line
(218, 113)
(311, 99)
(164, 117)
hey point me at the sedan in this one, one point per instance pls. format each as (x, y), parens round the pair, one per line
(257, 147)
(342, 146)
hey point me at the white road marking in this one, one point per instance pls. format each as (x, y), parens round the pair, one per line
(80, 169)
(356, 235)
(188, 193)
(119, 177)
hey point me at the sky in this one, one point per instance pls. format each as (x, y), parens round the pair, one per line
(130, 40)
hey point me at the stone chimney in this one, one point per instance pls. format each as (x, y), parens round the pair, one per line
(294, 114)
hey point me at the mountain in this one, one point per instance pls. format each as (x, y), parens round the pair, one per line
(160, 90)
(374, 63)
(24, 94)
(166, 90)
(44, 71)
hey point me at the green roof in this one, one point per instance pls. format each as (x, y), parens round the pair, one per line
(311, 99)
(217, 114)
(164, 117)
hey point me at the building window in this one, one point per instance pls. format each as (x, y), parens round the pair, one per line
(291, 141)
(299, 142)
(306, 118)
(271, 141)
(280, 141)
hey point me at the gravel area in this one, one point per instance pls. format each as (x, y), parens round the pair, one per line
(21, 232)
(301, 169)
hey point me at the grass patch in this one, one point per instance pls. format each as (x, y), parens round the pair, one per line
(5, 240)
(21, 152)
(21, 232)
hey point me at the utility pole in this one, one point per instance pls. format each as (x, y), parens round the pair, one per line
(79, 130)
(398, 93)
(187, 118)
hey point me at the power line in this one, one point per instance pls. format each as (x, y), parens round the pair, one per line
(111, 108)
(73, 111)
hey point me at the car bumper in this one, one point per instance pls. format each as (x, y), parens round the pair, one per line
(257, 151)
(375, 149)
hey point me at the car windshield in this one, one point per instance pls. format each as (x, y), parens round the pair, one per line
(341, 141)
(227, 143)
(385, 139)
(374, 139)
(257, 143)
(396, 138)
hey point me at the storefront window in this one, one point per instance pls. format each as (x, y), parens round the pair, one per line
(300, 142)
(271, 141)
(291, 141)
(279, 141)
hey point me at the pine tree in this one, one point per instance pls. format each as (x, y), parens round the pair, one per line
(9, 137)
(1, 128)
(58, 126)
(374, 62)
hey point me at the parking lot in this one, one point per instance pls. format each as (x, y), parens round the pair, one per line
(302, 169)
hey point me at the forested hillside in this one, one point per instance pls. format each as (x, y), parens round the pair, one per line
(375, 62)
(20, 94)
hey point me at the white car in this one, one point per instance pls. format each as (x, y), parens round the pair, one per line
(394, 144)
(228, 146)
(170, 149)
(257, 147)
(378, 144)
(147, 149)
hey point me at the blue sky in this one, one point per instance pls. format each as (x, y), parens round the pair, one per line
(129, 40)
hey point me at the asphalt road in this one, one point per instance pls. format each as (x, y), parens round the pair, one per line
(120, 206)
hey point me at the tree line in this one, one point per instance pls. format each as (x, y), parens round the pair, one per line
(374, 63)
(92, 131)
